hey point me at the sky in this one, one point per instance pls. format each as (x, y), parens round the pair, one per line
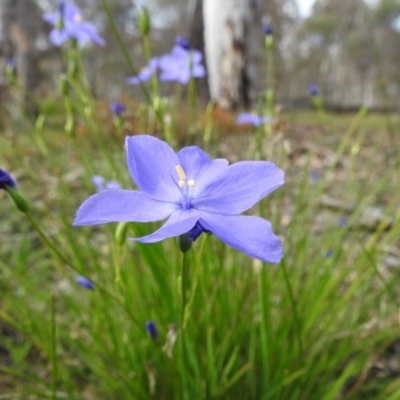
(305, 7)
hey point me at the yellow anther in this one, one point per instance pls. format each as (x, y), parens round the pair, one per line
(181, 183)
(180, 172)
(78, 17)
(191, 183)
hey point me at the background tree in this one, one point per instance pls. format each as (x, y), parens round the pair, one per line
(20, 26)
(233, 34)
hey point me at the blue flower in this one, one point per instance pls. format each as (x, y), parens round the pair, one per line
(68, 23)
(343, 221)
(314, 175)
(181, 41)
(268, 29)
(145, 73)
(84, 282)
(313, 90)
(329, 254)
(6, 180)
(181, 64)
(117, 108)
(253, 119)
(151, 329)
(100, 183)
(190, 188)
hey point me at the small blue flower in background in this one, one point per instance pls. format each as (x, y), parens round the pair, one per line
(329, 254)
(84, 282)
(68, 23)
(314, 175)
(100, 184)
(11, 66)
(6, 180)
(181, 41)
(181, 64)
(117, 108)
(253, 119)
(145, 73)
(343, 221)
(268, 29)
(313, 90)
(189, 188)
(151, 329)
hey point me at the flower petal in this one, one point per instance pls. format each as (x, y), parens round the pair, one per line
(237, 188)
(117, 205)
(192, 159)
(58, 37)
(199, 167)
(180, 222)
(152, 163)
(51, 17)
(251, 235)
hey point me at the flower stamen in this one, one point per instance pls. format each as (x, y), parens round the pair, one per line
(180, 172)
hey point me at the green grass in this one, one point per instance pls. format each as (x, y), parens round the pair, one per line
(311, 327)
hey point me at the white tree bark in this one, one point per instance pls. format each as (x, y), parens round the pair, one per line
(233, 35)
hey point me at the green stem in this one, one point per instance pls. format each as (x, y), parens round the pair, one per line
(294, 309)
(270, 83)
(60, 255)
(183, 285)
(195, 280)
(265, 307)
(53, 348)
(46, 240)
(117, 265)
(159, 115)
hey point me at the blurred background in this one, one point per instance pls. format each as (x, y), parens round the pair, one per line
(350, 49)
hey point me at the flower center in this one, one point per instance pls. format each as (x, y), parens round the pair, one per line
(78, 18)
(186, 187)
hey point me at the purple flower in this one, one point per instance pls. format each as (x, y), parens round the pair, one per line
(190, 188)
(181, 64)
(343, 221)
(313, 90)
(68, 23)
(268, 29)
(11, 66)
(314, 175)
(6, 180)
(100, 184)
(181, 41)
(329, 254)
(151, 329)
(253, 119)
(145, 73)
(117, 108)
(84, 282)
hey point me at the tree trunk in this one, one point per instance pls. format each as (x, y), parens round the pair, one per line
(195, 33)
(233, 35)
(19, 26)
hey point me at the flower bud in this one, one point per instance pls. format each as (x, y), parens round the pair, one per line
(84, 282)
(313, 90)
(64, 88)
(151, 329)
(269, 37)
(6, 180)
(11, 72)
(184, 243)
(19, 200)
(143, 20)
